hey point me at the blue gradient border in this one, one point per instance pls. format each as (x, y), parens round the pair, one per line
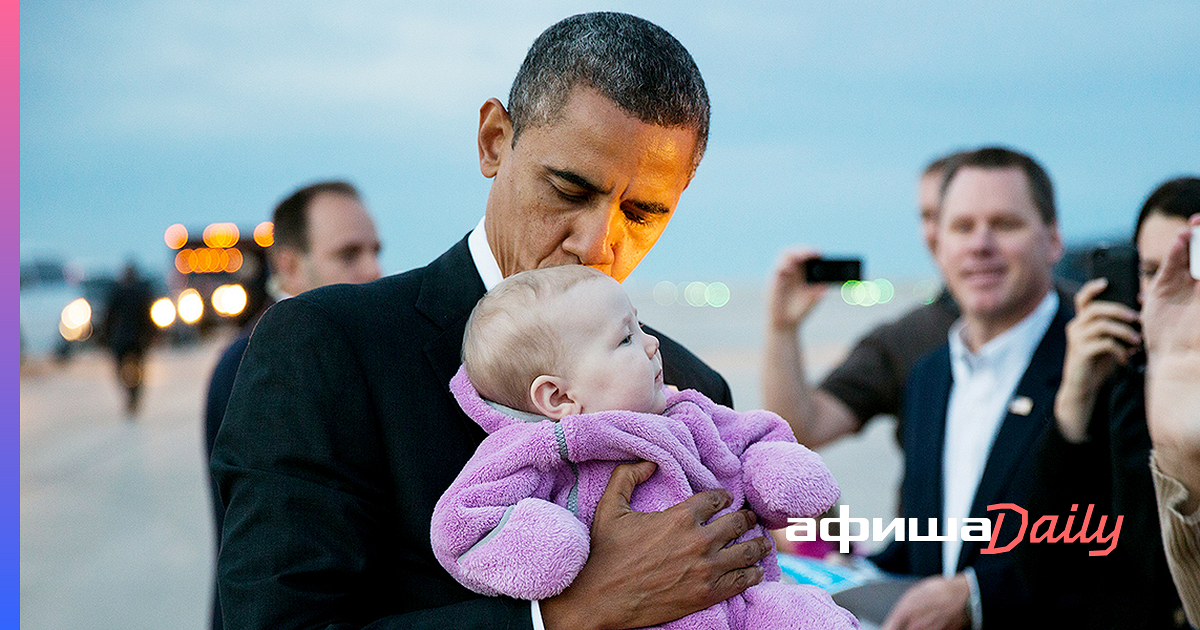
(10, 321)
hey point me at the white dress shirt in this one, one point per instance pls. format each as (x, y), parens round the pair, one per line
(481, 253)
(980, 398)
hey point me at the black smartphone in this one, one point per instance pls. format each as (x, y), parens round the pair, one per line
(1119, 265)
(829, 270)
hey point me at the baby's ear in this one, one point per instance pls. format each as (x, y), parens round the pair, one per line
(550, 397)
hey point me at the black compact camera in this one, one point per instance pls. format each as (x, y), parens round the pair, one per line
(829, 270)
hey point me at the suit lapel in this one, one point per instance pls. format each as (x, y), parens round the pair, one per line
(1019, 432)
(448, 293)
(924, 439)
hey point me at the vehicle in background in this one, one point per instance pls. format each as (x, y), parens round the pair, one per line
(217, 275)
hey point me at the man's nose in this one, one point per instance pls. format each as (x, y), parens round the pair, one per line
(369, 269)
(983, 239)
(592, 237)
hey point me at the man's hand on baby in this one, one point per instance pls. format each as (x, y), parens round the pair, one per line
(647, 568)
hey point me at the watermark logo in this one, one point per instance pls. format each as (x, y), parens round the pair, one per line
(844, 530)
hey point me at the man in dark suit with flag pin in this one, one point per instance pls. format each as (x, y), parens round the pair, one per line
(977, 406)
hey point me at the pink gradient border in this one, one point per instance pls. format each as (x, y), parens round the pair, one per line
(10, 338)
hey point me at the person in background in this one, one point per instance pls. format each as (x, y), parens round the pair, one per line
(1171, 324)
(869, 382)
(1096, 451)
(975, 407)
(323, 235)
(127, 330)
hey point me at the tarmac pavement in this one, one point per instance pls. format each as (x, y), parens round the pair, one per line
(116, 529)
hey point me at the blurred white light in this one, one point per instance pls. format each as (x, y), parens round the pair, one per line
(76, 314)
(848, 292)
(665, 293)
(871, 294)
(191, 306)
(694, 294)
(886, 290)
(163, 312)
(229, 299)
(717, 294)
(926, 291)
(78, 333)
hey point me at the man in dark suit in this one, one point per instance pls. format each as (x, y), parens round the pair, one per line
(977, 406)
(323, 235)
(341, 433)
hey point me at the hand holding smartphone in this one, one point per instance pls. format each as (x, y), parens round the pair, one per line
(1118, 264)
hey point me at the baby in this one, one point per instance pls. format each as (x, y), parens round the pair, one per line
(558, 371)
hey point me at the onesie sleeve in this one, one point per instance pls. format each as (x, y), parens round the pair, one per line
(496, 530)
(781, 478)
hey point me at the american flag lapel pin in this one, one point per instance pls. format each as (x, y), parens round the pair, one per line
(1021, 405)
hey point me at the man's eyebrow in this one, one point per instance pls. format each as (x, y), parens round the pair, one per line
(648, 207)
(576, 179)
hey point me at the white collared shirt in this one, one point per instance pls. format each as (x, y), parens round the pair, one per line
(485, 261)
(980, 398)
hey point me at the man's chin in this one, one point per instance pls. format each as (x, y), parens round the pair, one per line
(982, 305)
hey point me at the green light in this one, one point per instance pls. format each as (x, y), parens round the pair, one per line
(717, 294)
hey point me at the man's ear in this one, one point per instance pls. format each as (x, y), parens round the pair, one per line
(1056, 244)
(550, 397)
(495, 136)
(285, 264)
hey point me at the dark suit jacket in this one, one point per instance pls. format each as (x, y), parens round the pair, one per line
(220, 386)
(340, 436)
(1007, 475)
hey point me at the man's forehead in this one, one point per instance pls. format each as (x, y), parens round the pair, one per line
(988, 189)
(338, 218)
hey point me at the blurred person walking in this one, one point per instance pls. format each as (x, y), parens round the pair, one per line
(127, 331)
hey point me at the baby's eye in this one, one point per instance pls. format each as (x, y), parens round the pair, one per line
(628, 338)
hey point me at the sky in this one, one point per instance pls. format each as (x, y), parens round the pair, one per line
(137, 115)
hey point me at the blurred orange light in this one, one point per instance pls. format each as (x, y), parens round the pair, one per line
(235, 260)
(221, 235)
(176, 236)
(264, 234)
(184, 261)
(206, 260)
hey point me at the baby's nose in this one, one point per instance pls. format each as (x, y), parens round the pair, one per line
(651, 345)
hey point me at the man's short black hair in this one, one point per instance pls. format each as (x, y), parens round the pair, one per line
(938, 165)
(996, 157)
(633, 63)
(291, 215)
(1179, 197)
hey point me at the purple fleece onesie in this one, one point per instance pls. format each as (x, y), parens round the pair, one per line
(516, 520)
